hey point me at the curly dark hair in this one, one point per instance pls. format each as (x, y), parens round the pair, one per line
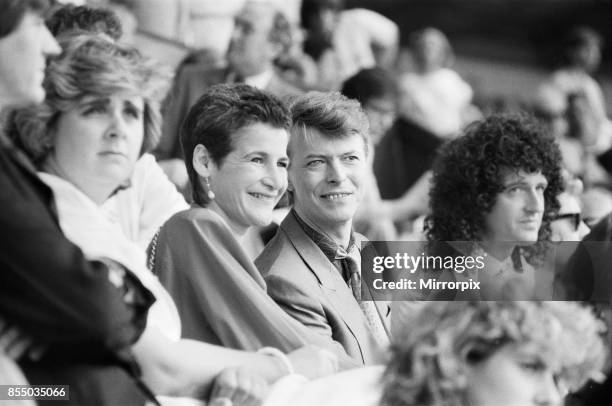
(468, 175)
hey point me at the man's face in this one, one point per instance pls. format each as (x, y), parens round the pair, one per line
(327, 176)
(517, 212)
(22, 61)
(250, 51)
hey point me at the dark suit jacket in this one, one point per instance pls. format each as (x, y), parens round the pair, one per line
(188, 86)
(53, 293)
(310, 288)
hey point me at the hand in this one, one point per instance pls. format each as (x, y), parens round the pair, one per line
(313, 362)
(15, 343)
(238, 386)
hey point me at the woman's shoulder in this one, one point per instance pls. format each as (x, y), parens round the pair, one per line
(195, 216)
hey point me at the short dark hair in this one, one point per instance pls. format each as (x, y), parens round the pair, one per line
(468, 175)
(14, 10)
(95, 20)
(369, 84)
(219, 113)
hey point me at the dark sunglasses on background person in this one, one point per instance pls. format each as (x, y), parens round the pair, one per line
(576, 217)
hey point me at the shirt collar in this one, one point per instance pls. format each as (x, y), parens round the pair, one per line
(330, 248)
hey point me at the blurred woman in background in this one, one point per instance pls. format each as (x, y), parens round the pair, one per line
(434, 96)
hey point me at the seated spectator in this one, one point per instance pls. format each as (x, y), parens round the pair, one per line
(235, 140)
(260, 35)
(471, 353)
(495, 189)
(69, 17)
(581, 56)
(92, 137)
(434, 96)
(342, 42)
(375, 89)
(312, 265)
(88, 138)
(568, 118)
(479, 352)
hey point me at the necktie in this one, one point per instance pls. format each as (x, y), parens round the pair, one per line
(352, 260)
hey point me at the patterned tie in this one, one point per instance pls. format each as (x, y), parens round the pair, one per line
(352, 259)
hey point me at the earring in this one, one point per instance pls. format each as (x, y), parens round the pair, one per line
(209, 193)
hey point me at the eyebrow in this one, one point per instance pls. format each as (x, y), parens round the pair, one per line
(522, 182)
(95, 101)
(262, 153)
(310, 156)
(352, 152)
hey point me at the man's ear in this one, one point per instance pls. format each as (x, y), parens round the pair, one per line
(201, 160)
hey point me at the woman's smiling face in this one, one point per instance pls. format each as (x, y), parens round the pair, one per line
(252, 178)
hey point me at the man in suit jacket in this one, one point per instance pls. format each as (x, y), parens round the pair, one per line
(310, 264)
(260, 35)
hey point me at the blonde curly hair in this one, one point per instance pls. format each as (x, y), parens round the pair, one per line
(443, 337)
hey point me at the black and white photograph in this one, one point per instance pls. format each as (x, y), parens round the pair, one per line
(306, 202)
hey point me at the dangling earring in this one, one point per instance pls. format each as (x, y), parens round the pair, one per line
(209, 193)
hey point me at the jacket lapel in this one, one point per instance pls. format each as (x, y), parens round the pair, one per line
(382, 306)
(337, 291)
